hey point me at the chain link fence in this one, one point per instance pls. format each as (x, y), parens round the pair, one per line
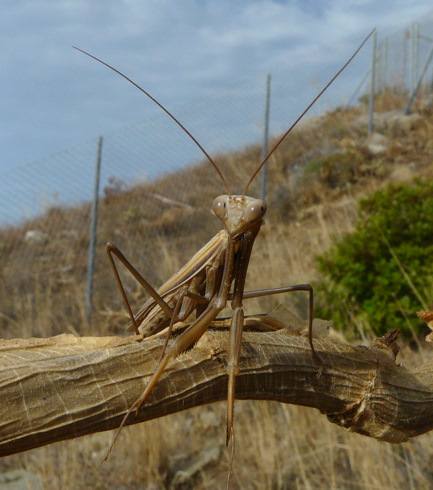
(401, 62)
(45, 218)
(46, 205)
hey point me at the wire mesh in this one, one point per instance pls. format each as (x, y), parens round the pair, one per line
(45, 208)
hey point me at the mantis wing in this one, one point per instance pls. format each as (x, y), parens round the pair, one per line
(194, 276)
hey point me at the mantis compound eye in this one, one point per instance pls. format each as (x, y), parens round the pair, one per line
(255, 210)
(220, 206)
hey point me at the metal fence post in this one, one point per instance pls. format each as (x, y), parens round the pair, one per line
(414, 38)
(93, 225)
(266, 137)
(372, 85)
(383, 65)
(417, 86)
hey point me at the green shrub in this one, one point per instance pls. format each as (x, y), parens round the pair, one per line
(381, 273)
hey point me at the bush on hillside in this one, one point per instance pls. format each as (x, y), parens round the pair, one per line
(381, 274)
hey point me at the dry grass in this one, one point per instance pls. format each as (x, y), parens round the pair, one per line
(311, 201)
(277, 446)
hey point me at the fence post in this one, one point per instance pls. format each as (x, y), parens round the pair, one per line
(93, 225)
(420, 78)
(266, 137)
(372, 85)
(414, 37)
(383, 65)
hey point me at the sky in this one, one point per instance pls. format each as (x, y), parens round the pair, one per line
(198, 57)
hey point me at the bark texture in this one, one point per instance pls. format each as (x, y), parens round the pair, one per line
(64, 387)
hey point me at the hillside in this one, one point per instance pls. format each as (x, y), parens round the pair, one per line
(315, 180)
(314, 183)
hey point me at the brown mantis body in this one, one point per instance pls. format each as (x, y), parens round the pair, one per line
(205, 284)
(212, 278)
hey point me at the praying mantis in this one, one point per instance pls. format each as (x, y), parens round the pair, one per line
(214, 276)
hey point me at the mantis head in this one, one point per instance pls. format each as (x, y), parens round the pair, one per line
(239, 213)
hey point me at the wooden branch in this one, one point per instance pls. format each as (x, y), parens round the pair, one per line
(64, 387)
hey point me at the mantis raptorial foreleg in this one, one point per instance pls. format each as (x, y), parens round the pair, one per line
(176, 316)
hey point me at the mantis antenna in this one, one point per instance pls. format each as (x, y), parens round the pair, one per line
(305, 111)
(195, 140)
(165, 110)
